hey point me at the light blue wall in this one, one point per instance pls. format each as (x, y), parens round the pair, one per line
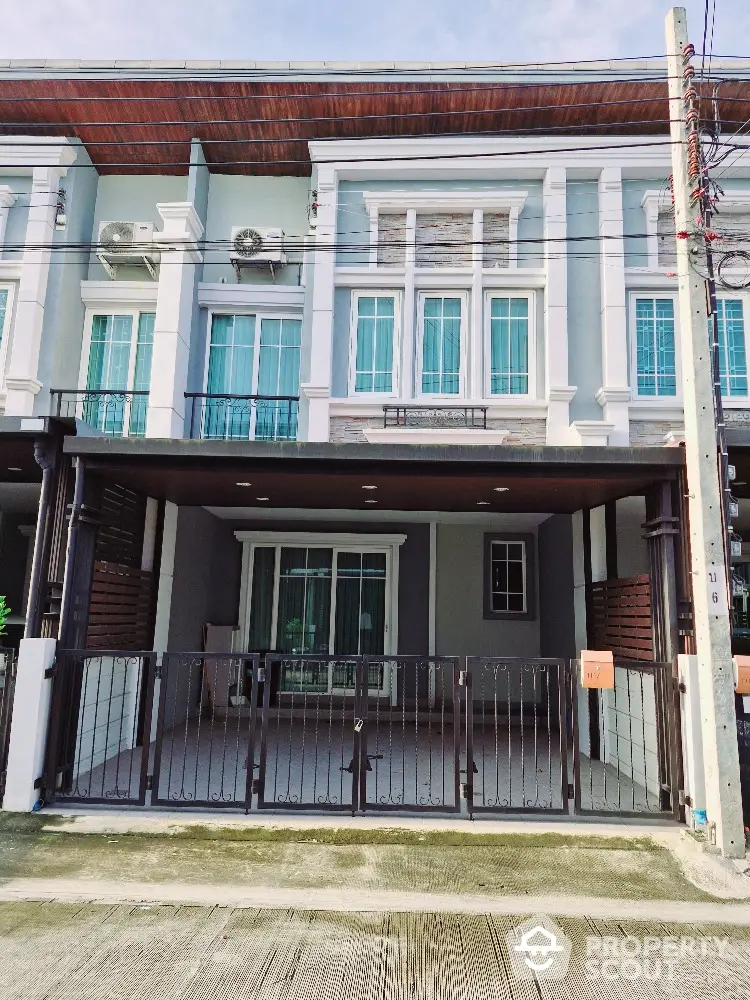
(132, 198)
(342, 304)
(634, 221)
(18, 216)
(584, 301)
(62, 331)
(269, 202)
(353, 224)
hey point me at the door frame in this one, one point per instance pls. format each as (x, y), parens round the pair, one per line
(390, 544)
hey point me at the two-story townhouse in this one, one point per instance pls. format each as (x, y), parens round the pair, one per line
(370, 404)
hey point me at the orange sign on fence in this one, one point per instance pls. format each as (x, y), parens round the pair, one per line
(742, 674)
(597, 668)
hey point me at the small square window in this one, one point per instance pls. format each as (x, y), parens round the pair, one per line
(509, 577)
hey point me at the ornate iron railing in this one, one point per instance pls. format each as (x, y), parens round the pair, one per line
(435, 416)
(114, 412)
(217, 417)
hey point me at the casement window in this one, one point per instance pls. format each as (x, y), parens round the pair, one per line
(732, 353)
(509, 576)
(118, 373)
(509, 347)
(654, 345)
(252, 356)
(442, 336)
(374, 343)
(6, 304)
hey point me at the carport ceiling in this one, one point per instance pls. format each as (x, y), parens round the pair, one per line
(397, 487)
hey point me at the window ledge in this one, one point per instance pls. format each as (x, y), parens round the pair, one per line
(434, 435)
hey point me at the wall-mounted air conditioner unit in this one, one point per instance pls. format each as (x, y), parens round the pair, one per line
(257, 247)
(129, 243)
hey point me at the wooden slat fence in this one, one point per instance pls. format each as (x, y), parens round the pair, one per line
(621, 611)
(121, 610)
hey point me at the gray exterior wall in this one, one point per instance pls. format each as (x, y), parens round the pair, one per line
(556, 614)
(134, 199)
(272, 202)
(206, 583)
(460, 624)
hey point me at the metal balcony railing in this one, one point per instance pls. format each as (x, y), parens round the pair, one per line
(435, 416)
(217, 417)
(114, 412)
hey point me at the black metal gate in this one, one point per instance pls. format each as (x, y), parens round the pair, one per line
(360, 734)
(100, 720)
(7, 691)
(626, 752)
(517, 735)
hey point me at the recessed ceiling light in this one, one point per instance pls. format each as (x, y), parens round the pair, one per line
(483, 503)
(262, 498)
(371, 501)
(369, 487)
(243, 484)
(15, 468)
(501, 489)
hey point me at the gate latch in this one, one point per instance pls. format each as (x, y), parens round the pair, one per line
(358, 724)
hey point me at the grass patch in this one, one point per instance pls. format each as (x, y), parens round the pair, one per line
(12, 822)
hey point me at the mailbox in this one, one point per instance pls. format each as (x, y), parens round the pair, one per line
(597, 668)
(742, 674)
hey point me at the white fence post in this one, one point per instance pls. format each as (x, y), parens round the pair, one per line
(28, 730)
(692, 734)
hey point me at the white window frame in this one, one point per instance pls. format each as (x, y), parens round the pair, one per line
(655, 401)
(339, 542)
(508, 293)
(741, 402)
(110, 309)
(374, 293)
(440, 293)
(10, 288)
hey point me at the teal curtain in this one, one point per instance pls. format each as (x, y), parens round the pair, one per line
(441, 346)
(360, 603)
(509, 346)
(374, 353)
(655, 347)
(261, 601)
(109, 363)
(278, 375)
(732, 356)
(304, 614)
(230, 374)
(144, 350)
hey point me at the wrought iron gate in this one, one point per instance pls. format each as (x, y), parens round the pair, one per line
(361, 733)
(7, 691)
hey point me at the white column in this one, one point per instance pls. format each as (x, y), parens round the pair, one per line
(7, 200)
(408, 338)
(174, 317)
(476, 332)
(692, 733)
(317, 390)
(614, 395)
(558, 392)
(28, 730)
(23, 361)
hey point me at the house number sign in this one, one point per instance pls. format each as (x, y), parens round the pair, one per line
(717, 590)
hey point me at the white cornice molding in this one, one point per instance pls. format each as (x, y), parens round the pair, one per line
(22, 154)
(113, 294)
(613, 394)
(181, 222)
(368, 541)
(445, 201)
(7, 196)
(215, 295)
(11, 270)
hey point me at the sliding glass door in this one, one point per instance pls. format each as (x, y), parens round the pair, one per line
(326, 601)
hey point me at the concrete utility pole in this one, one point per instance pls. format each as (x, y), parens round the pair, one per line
(705, 502)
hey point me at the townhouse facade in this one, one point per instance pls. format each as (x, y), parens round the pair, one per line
(371, 408)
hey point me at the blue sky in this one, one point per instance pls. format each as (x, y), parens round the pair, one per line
(502, 30)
